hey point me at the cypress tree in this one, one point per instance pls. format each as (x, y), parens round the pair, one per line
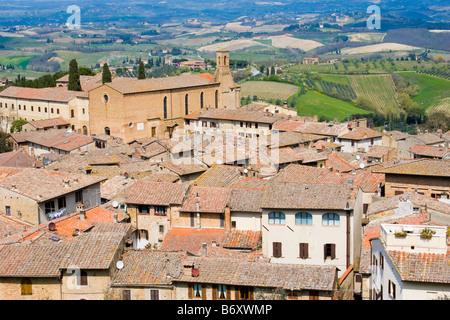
(106, 75)
(74, 76)
(141, 73)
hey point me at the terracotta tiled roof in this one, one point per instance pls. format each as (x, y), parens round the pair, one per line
(307, 196)
(360, 133)
(429, 138)
(421, 267)
(429, 151)
(250, 182)
(156, 193)
(338, 163)
(183, 169)
(210, 199)
(41, 185)
(422, 167)
(262, 274)
(246, 200)
(191, 239)
(96, 249)
(38, 260)
(148, 267)
(60, 139)
(291, 138)
(126, 85)
(45, 94)
(19, 158)
(10, 225)
(242, 239)
(115, 186)
(47, 123)
(219, 176)
(235, 115)
(284, 155)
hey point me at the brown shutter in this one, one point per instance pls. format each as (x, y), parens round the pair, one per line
(228, 293)
(250, 293)
(236, 293)
(303, 250)
(190, 291)
(214, 291)
(333, 251)
(203, 291)
(277, 249)
(126, 294)
(325, 251)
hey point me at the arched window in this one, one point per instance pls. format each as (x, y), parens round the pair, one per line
(277, 218)
(303, 218)
(201, 100)
(165, 107)
(186, 104)
(330, 219)
(107, 131)
(85, 130)
(216, 99)
(26, 287)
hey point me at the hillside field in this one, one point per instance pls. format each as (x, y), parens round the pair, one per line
(268, 90)
(314, 103)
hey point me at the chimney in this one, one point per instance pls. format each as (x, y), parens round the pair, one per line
(204, 249)
(81, 211)
(115, 217)
(227, 218)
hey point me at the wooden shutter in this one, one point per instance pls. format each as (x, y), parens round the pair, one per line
(250, 294)
(26, 287)
(325, 251)
(190, 291)
(228, 293)
(277, 249)
(304, 250)
(214, 291)
(203, 292)
(154, 294)
(333, 251)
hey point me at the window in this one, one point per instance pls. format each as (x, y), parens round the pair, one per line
(391, 289)
(165, 107)
(276, 246)
(39, 109)
(277, 218)
(160, 211)
(222, 220)
(8, 210)
(244, 293)
(201, 100)
(72, 113)
(83, 278)
(49, 207)
(220, 292)
(126, 294)
(143, 209)
(26, 287)
(216, 99)
(303, 250)
(329, 251)
(353, 143)
(79, 196)
(196, 291)
(330, 219)
(61, 202)
(143, 234)
(107, 131)
(186, 104)
(303, 218)
(161, 228)
(204, 124)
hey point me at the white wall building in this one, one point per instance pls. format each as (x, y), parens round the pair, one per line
(406, 266)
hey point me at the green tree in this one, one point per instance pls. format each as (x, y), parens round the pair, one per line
(141, 72)
(74, 77)
(16, 125)
(106, 75)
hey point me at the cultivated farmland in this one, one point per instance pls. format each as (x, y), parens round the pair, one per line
(268, 90)
(379, 89)
(439, 106)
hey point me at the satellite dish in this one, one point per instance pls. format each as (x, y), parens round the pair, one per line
(358, 157)
(195, 272)
(361, 165)
(119, 265)
(245, 170)
(115, 204)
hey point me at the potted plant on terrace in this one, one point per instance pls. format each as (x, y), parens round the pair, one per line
(400, 234)
(427, 233)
